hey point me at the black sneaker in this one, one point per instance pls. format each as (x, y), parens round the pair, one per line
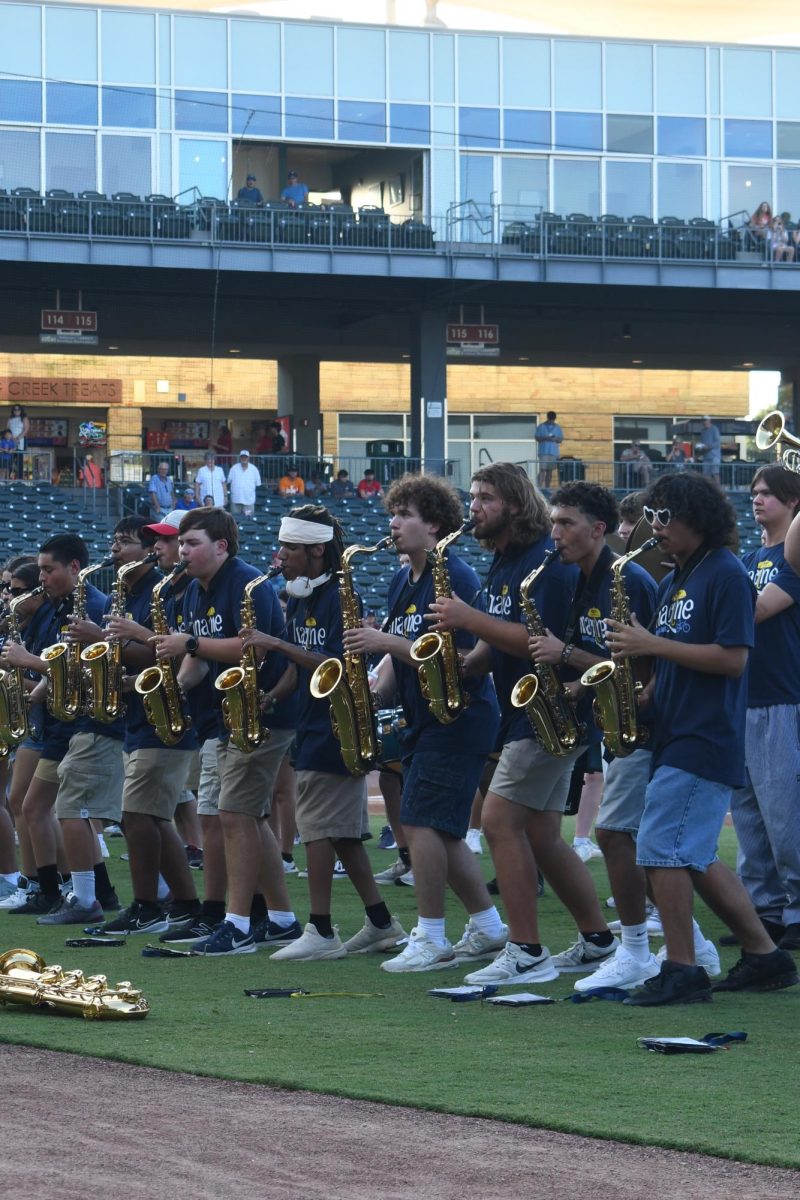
(181, 934)
(760, 973)
(119, 924)
(386, 840)
(774, 930)
(267, 933)
(110, 902)
(149, 920)
(37, 905)
(790, 939)
(676, 983)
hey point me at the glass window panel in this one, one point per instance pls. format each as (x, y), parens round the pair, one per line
(20, 100)
(479, 127)
(444, 71)
(164, 50)
(579, 131)
(715, 137)
(629, 77)
(409, 65)
(443, 180)
(577, 75)
(201, 55)
(375, 426)
(308, 60)
(576, 186)
(747, 83)
(680, 79)
(714, 190)
(19, 159)
(71, 161)
(748, 187)
(789, 191)
(260, 116)
(205, 112)
(478, 70)
(629, 188)
(129, 47)
(526, 73)
(411, 123)
(457, 426)
(71, 104)
(164, 185)
(126, 165)
(477, 185)
(204, 165)
(20, 41)
(714, 82)
(684, 137)
(71, 43)
(788, 139)
(680, 190)
(131, 108)
(490, 425)
(524, 186)
(361, 62)
(526, 130)
(256, 55)
(629, 135)
(748, 139)
(361, 121)
(787, 83)
(444, 126)
(307, 118)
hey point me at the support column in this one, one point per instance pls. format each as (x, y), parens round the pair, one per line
(298, 398)
(429, 390)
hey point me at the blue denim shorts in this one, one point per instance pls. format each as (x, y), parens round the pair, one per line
(682, 819)
(438, 790)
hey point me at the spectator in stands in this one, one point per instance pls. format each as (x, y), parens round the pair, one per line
(342, 486)
(630, 513)
(316, 487)
(291, 484)
(208, 502)
(638, 468)
(7, 445)
(210, 481)
(280, 443)
(161, 492)
(779, 241)
(677, 455)
(19, 425)
(243, 479)
(90, 475)
(369, 488)
(223, 444)
(759, 223)
(264, 443)
(295, 193)
(709, 449)
(250, 194)
(187, 501)
(549, 437)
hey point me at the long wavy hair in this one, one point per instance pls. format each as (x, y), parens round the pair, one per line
(531, 521)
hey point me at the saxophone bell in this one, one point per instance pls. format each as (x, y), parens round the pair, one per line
(241, 698)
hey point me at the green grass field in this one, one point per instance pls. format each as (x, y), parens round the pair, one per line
(566, 1066)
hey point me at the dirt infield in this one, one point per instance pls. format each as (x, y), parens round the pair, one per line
(101, 1129)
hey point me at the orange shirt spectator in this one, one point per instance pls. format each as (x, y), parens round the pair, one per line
(90, 474)
(291, 484)
(369, 486)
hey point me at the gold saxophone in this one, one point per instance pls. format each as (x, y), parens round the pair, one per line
(542, 694)
(25, 978)
(158, 685)
(436, 654)
(64, 676)
(241, 698)
(102, 661)
(345, 683)
(14, 727)
(614, 682)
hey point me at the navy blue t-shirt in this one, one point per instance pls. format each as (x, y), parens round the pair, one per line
(775, 661)
(201, 701)
(475, 731)
(315, 623)
(700, 717)
(552, 594)
(34, 637)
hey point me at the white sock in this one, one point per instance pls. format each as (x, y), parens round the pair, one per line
(634, 940)
(163, 888)
(284, 919)
(83, 887)
(699, 937)
(241, 923)
(12, 878)
(488, 921)
(434, 928)
(581, 841)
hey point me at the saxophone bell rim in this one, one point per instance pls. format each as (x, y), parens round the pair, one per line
(230, 678)
(426, 647)
(524, 690)
(326, 678)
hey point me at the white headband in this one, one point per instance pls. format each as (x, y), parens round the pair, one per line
(304, 533)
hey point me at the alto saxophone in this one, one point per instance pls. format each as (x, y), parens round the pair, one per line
(436, 654)
(241, 698)
(14, 727)
(542, 694)
(102, 661)
(614, 682)
(158, 685)
(25, 978)
(64, 676)
(345, 683)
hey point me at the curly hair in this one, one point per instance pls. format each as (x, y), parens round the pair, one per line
(436, 501)
(591, 499)
(784, 485)
(217, 523)
(699, 503)
(531, 521)
(320, 515)
(630, 507)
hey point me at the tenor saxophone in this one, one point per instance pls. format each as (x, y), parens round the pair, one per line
(14, 726)
(158, 685)
(241, 698)
(614, 682)
(345, 682)
(542, 694)
(436, 654)
(102, 661)
(64, 676)
(25, 978)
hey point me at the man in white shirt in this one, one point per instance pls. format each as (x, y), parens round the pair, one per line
(243, 479)
(210, 481)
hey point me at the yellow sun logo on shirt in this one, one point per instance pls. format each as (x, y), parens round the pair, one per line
(211, 612)
(311, 623)
(765, 562)
(594, 612)
(680, 594)
(412, 608)
(504, 590)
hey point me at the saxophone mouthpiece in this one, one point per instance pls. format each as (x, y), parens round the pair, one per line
(107, 562)
(149, 558)
(177, 569)
(469, 524)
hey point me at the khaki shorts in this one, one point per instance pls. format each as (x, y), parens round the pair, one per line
(247, 780)
(526, 774)
(47, 770)
(208, 784)
(193, 778)
(331, 806)
(90, 778)
(154, 780)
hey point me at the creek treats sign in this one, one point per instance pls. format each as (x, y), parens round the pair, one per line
(61, 391)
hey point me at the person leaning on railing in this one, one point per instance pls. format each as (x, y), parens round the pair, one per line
(779, 242)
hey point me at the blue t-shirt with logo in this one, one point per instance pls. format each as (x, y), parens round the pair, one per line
(775, 661)
(475, 731)
(315, 624)
(700, 717)
(552, 595)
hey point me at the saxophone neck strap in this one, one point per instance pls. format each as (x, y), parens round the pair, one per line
(586, 592)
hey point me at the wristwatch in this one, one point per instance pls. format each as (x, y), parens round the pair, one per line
(192, 646)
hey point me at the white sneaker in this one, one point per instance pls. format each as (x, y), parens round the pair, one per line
(473, 840)
(475, 944)
(654, 926)
(370, 939)
(513, 966)
(101, 841)
(290, 868)
(338, 870)
(9, 889)
(586, 849)
(583, 956)
(421, 954)
(312, 946)
(707, 957)
(406, 880)
(392, 873)
(622, 970)
(19, 895)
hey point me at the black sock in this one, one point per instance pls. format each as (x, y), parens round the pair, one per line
(149, 908)
(183, 908)
(404, 855)
(379, 915)
(287, 857)
(601, 940)
(102, 883)
(258, 908)
(533, 949)
(212, 911)
(48, 881)
(322, 924)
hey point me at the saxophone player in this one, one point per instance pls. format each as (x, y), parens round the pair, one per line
(522, 810)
